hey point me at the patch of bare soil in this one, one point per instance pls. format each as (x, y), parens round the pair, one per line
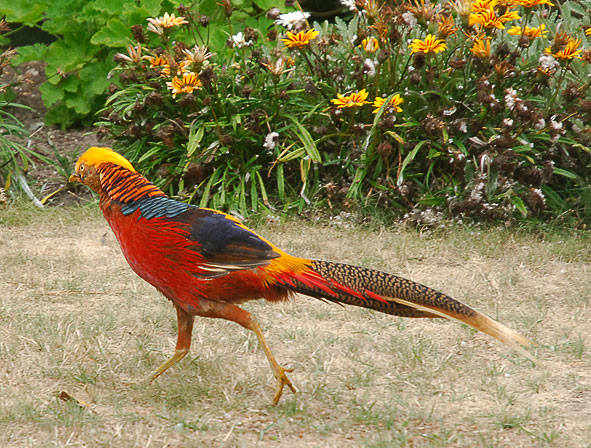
(50, 141)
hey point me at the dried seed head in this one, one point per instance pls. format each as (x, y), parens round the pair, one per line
(188, 100)
(571, 92)
(524, 41)
(419, 60)
(183, 10)
(415, 77)
(206, 76)
(138, 33)
(166, 133)
(273, 13)
(227, 5)
(102, 132)
(153, 99)
(432, 125)
(457, 64)
(134, 131)
(384, 149)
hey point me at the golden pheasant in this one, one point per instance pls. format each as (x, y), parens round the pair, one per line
(207, 263)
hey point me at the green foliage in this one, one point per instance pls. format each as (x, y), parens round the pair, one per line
(493, 125)
(88, 33)
(15, 156)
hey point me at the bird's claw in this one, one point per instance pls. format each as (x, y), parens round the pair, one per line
(282, 381)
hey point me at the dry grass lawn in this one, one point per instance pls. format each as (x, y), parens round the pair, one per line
(79, 332)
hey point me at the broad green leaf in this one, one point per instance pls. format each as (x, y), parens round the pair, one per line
(65, 56)
(51, 94)
(22, 11)
(110, 7)
(79, 103)
(70, 84)
(115, 35)
(95, 77)
(266, 4)
(35, 52)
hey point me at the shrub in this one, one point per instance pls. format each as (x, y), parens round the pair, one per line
(473, 109)
(86, 36)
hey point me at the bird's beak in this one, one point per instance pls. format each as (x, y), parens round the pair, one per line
(74, 178)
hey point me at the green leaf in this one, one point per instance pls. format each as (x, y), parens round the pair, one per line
(519, 205)
(61, 115)
(51, 94)
(22, 11)
(409, 158)
(66, 56)
(79, 103)
(280, 182)
(153, 7)
(565, 173)
(302, 133)
(195, 137)
(94, 77)
(115, 35)
(70, 84)
(110, 7)
(28, 53)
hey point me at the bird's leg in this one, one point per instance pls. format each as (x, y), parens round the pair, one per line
(236, 314)
(278, 371)
(183, 343)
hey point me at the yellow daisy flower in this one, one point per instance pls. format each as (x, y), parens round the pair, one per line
(370, 44)
(157, 61)
(394, 103)
(481, 48)
(446, 27)
(167, 21)
(532, 32)
(486, 19)
(569, 51)
(300, 39)
(181, 68)
(354, 99)
(186, 84)
(532, 3)
(483, 5)
(430, 45)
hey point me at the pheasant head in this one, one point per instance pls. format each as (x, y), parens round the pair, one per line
(86, 170)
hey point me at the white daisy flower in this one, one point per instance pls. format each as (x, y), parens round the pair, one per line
(239, 41)
(291, 20)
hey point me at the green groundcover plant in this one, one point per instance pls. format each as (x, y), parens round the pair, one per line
(86, 34)
(465, 108)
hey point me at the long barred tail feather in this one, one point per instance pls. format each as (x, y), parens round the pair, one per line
(390, 294)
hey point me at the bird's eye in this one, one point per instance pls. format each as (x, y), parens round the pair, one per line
(81, 167)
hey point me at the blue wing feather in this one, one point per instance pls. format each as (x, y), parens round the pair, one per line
(221, 240)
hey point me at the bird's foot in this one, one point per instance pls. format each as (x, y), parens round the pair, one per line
(282, 381)
(178, 355)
